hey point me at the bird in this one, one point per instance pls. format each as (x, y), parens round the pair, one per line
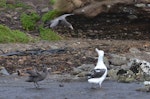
(36, 76)
(99, 73)
(60, 20)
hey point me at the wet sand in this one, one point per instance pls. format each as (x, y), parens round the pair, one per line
(16, 88)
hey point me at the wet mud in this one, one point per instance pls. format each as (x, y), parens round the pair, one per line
(17, 88)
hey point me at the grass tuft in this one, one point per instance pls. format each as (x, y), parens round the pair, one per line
(29, 21)
(52, 1)
(12, 36)
(50, 15)
(2, 3)
(48, 34)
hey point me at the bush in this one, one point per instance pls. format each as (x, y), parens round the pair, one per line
(7, 35)
(29, 21)
(48, 34)
(50, 15)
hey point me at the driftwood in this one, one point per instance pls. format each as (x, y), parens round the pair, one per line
(95, 8)
(35, 52)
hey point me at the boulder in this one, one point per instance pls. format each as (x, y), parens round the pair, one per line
(82, 70)
(117, 60)
(10, 1)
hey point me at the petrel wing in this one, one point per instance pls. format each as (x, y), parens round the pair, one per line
(54, 23)
(32, 73)
(97, 73)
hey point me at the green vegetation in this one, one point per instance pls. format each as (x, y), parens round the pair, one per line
(17, 5)
(50, 15)
(52, 1)
(47, 34)
(29, 21)
(2, 3)
(7, 35)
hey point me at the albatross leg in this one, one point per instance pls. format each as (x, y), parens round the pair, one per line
(93, 86)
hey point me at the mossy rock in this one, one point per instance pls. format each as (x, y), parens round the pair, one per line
(127, 78)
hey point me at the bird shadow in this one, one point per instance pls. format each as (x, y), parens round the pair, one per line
(95, 88)
(37, 89)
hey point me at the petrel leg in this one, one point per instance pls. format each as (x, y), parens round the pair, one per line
(36, 85)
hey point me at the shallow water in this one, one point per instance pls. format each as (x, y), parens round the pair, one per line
(11, 88)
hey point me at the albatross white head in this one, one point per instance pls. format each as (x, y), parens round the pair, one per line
(99, 73)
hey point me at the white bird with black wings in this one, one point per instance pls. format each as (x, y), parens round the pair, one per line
(99, 73)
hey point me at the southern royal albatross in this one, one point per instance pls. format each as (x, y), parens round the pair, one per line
(98, 74)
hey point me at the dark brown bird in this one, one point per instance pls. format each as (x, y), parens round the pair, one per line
(36, 76)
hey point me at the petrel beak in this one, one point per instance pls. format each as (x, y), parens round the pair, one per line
(49, 69)
(71, 27)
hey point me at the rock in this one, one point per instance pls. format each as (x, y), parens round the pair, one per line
(148, 5)
(86, 67)
(3, 71)
(126, 67)
(1, 9)
(30, 4)
(30, 11)
(144, 89)
(127, 77)
(134, 50)
(140, 5)
(132, 17)
(106, 62)
(76, 71)
(45, 10)
(10, 1)
(94, 8)
(15, 18)
(117, 60)
(143, 65)
(140, 68)
(8, 16)
(82, 74)
(82, 70)
(113, 74)
(146, 83)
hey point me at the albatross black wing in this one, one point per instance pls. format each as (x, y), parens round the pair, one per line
(97, 73)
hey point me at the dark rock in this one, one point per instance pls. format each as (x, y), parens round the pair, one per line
(121, 72)
(10, 1)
